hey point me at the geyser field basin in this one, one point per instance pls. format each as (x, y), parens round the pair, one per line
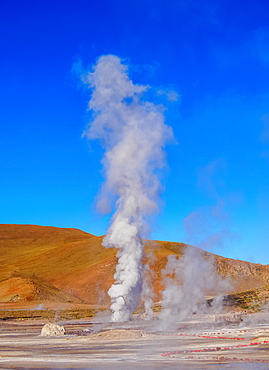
(201, 342)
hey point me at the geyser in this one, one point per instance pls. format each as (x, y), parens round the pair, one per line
(133, 134)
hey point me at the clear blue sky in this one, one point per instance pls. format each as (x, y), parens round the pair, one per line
(213, 53)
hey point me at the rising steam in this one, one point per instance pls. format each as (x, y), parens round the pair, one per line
(133, 134)
(187, 281)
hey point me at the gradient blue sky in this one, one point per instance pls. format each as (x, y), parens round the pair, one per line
(213, 53)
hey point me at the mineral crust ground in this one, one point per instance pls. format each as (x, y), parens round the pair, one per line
(202, 342)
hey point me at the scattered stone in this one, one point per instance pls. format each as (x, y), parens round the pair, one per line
(52, 330)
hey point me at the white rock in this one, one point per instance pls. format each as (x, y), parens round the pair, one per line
(50, 330)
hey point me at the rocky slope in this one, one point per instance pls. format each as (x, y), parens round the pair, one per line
(41, 263)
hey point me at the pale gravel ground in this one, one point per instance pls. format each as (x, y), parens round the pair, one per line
(22, 347)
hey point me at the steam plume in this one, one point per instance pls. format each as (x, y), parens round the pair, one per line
(187, 281)
(133, 134)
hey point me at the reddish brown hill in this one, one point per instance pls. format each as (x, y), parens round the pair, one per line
(18, 289)
(41, 263)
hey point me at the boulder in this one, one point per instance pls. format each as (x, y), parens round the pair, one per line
(52, 330)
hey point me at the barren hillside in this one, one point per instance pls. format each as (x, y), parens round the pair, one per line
(41, 263)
